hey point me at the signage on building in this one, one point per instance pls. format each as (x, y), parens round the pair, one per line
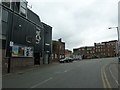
(38, 38)
(11, 43)
(100, 43)
(22, 51)
(47, 44)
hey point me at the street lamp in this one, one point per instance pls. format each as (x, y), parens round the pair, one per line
(118, 41)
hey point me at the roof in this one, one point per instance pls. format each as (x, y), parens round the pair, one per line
(34, 17)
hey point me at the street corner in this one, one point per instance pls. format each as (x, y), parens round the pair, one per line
(105, 81)
(111, 72)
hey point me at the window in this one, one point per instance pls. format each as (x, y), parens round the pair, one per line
(4, 15)
(23, 8)
(6, 3)
(17, 6)
(83, 49)
(23, 11)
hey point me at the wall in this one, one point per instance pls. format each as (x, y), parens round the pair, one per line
(16, 63)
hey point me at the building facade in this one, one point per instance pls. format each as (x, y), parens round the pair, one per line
(58, 50)
(68, 53)
(107, 49)
(22, 36)
(85, 52)
(99, 50)
(47, 43)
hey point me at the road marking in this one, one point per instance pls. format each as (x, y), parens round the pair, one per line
(65, 71)
(113, 77)
(41, 82)
(107, 80)
(61, 72)
(103, 79)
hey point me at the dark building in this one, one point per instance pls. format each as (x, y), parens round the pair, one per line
(47, 43)
(22, 35)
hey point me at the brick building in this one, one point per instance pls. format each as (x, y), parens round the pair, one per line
(99, 50)
(106, 49)
(68, 53)
(58, 50)
(85, 52)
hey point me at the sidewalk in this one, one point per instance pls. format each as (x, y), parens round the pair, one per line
(114, 69)
(22, 70)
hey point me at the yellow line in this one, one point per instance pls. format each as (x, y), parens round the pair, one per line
(103, 79)
(109, 86)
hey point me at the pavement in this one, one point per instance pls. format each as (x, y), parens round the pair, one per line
(23, 70)
(112, 71)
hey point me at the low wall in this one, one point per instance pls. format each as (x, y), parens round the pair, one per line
(16, 63)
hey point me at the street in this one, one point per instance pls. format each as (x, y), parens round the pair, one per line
(91, 73)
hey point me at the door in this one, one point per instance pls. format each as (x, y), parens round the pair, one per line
(46, 58)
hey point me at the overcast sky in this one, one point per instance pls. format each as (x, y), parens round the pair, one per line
(79, 22)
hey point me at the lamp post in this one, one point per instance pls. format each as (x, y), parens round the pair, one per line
(118, 41)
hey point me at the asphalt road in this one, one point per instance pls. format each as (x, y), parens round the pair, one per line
(78, 74)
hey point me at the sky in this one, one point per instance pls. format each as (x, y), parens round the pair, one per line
(79, 22)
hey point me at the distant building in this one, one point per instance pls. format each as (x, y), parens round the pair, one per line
(76, 53)
(90, 52)
(58, 50)
(106, 49)
(85, 52)
(68, 53)
(99, 50)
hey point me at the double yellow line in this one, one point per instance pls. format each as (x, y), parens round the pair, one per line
(105, 81)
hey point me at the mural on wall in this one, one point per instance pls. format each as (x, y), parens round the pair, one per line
(22, 51)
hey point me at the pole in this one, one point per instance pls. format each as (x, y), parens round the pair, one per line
(118, 44)
(118, 41)
(10, 38)
(9, 61)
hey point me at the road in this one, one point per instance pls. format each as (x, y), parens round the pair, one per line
(94, 73)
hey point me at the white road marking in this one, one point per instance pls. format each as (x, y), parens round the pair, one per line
(65, 71)
(41, 82)
(61, 72)
(113, 76)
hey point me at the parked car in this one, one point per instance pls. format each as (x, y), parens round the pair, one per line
(67, 59)
(76, 59)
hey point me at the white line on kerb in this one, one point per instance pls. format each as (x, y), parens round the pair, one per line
(65, 71)
(113, 76)
(41, 82)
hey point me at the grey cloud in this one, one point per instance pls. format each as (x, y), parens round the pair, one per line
(79, 23)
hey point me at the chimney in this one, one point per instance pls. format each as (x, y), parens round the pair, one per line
(94, 44)
(60, 40)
